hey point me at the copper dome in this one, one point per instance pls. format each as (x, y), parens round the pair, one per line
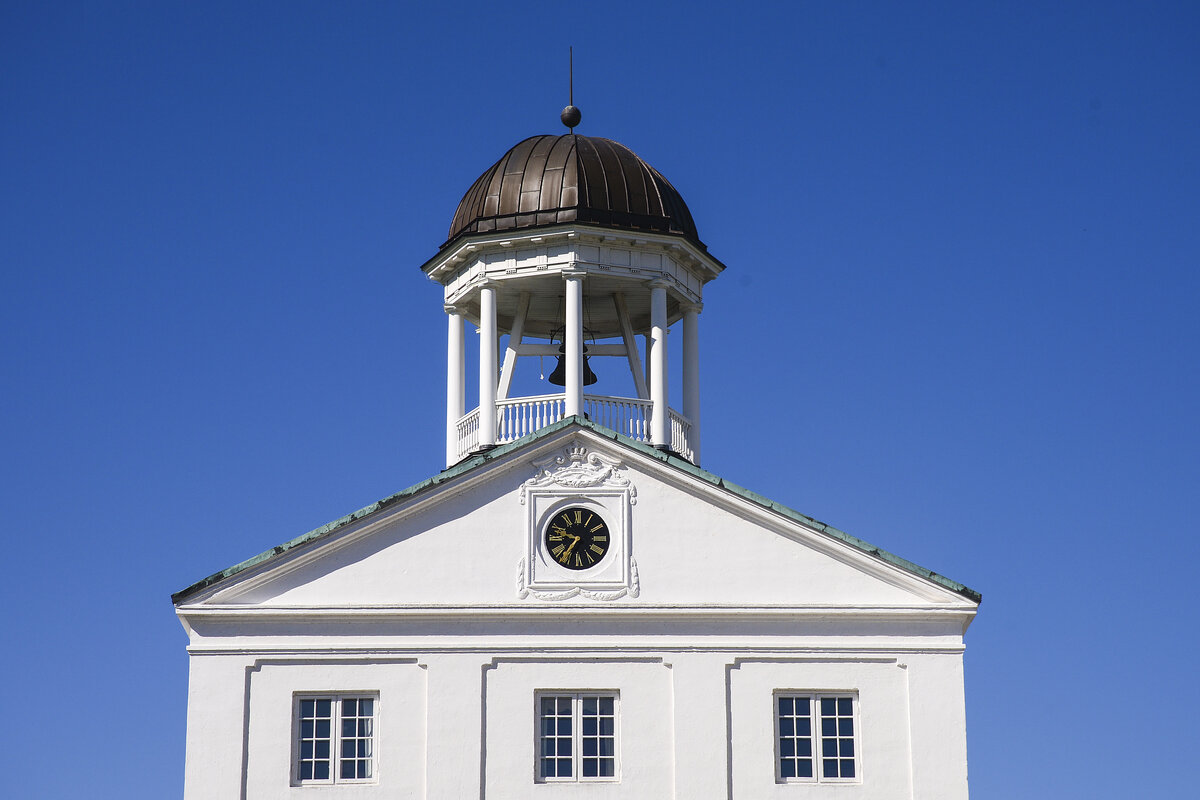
(547, 180)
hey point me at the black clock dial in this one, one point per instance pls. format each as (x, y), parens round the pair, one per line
(577, 538)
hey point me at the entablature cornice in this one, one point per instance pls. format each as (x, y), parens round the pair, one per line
(575, 251)
(557, 611)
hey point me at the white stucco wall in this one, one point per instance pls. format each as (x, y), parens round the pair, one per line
(420, 607)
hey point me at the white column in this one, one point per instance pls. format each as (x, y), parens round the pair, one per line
(456, 381)
(691, 376)
(660, 427)
(574, 344)
(487, 366)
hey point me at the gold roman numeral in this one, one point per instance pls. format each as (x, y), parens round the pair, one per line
(558, 551)
(578, 516)
(597, 549)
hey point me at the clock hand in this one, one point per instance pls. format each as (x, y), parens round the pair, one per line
(567, 554)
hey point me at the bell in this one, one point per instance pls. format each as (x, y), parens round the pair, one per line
(559, 376)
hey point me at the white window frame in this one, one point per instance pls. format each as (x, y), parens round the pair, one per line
(335, 738)
(815, 735)
(577, 697)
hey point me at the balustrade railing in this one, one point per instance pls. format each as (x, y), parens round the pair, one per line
(681, 429)
(521, 416)
(524, 415)
(468, 433)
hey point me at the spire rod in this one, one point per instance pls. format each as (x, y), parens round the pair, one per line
(571, 115)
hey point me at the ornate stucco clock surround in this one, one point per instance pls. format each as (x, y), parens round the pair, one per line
(577, 479)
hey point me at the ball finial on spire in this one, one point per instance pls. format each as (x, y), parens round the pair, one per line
(570, 116)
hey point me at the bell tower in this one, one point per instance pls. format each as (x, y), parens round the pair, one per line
(572, 248)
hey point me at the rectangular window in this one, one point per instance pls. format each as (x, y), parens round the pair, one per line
(577, 737)
(335, 739)
(816, 737)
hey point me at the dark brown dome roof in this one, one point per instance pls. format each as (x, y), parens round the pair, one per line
(546, 180)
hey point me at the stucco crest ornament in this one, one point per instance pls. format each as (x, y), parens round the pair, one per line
(576, 468)
(633, 589)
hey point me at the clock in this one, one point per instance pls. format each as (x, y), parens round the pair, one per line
(577, 538)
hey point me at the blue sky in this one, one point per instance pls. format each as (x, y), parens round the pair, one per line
(958, 321)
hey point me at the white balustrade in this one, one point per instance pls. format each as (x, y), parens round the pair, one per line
(521, 416)
(468, 433)
(680, 430)
(622, 414)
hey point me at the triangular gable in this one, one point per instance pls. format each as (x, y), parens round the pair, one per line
(398, 549)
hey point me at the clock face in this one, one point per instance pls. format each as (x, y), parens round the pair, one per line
(577, 538)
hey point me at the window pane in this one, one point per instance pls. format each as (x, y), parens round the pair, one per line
(837, 737)
(787, 768)
(785, 706)
(576, 751)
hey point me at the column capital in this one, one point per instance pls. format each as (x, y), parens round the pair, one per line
(450, 308)
(696, 307)
(574, 272)
(661, 282)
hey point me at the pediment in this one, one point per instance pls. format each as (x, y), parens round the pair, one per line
(470, 540)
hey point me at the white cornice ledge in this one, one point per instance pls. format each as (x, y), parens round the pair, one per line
(551, 611)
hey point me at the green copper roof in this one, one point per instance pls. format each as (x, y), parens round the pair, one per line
(470, 464)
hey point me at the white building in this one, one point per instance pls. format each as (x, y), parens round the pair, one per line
(573, 608)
